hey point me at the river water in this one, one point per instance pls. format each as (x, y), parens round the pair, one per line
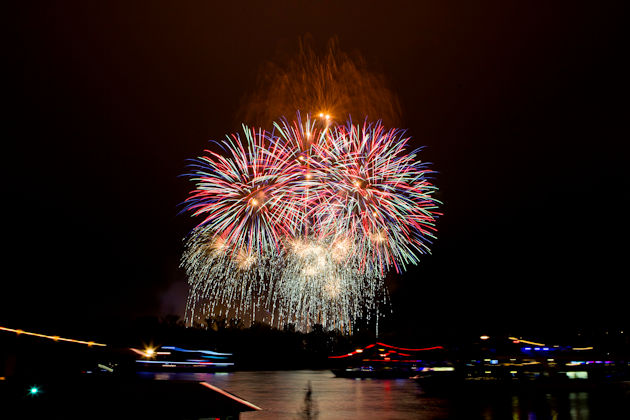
(283, 395)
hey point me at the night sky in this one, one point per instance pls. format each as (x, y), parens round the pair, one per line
(522, 108)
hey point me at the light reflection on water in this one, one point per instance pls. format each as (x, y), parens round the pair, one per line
(281, 394)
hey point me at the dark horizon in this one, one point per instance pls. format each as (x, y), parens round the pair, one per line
(521, 108)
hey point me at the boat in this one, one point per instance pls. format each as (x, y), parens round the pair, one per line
(173, 358)
(366, 372)
(517, 365)
(383, 361)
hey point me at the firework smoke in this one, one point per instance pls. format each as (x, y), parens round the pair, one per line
(334, 83)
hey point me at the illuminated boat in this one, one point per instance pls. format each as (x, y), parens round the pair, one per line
(177, 358)
(517, 364)
(384, 361)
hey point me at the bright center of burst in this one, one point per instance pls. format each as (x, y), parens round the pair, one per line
(379, 236)
(332, 287)
(245, 260)
(312, 256)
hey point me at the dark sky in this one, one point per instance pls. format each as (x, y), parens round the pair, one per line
(522, 107)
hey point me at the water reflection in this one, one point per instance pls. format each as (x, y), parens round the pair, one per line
(285, 395)
(309, 411)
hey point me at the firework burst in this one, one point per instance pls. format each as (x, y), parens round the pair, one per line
(321, 283)
(378, 194)
(304, 222)
(243, 195)
(222, 282)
